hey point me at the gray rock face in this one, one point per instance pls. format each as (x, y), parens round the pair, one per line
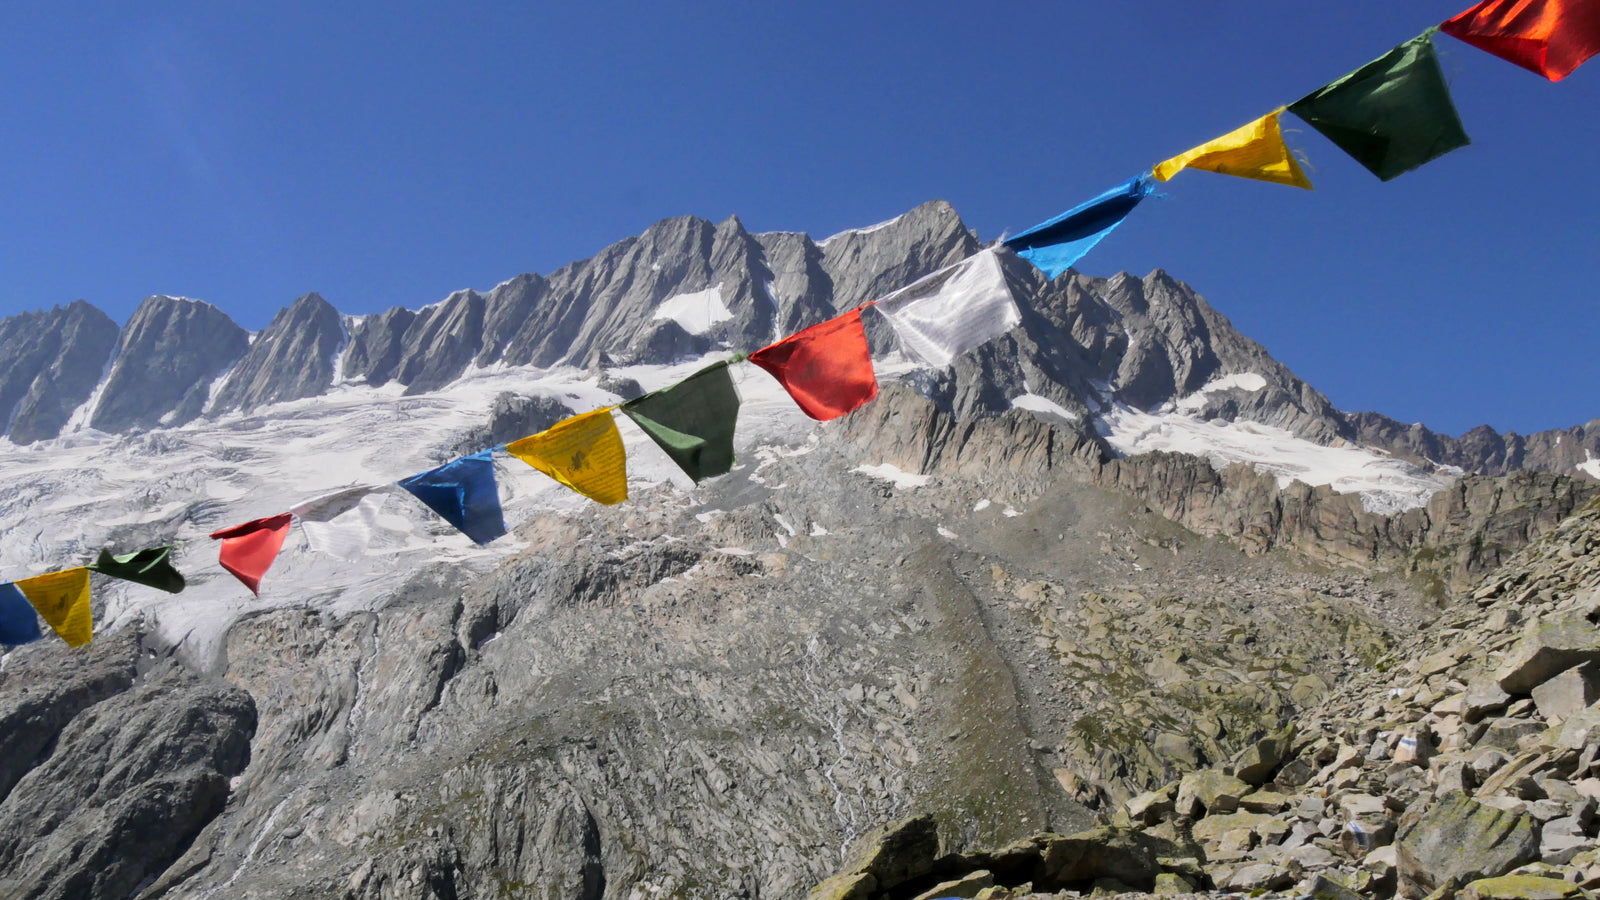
(168, 356)
(129, 782)
(50, 363)
(1482, 450)
(1461, 839)
(376, 345)
(293, 358)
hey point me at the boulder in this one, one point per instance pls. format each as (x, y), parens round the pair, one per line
(1325, 888)
(1256, 763)
(967, 886)
(1569, 692)
(1581, 729)
(896, 853)
(1554, 646)
(1129, 856)
(1212, 828)
(858, 886)
(1212, 789)
(1460, 838)
(1519, 887)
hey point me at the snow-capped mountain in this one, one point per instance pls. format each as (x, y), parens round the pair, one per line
(707, 690)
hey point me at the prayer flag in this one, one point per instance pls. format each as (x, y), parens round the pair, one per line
(826, 368)
(1055, 245)
(249, 549)
(1254, 151)
(62, 598)
(340, 524)
(1392, 114)
(584, 453)
(463, 493)
(152, 568)
(692, 421)
(1550, 37)
(953, 310)
(18, 623)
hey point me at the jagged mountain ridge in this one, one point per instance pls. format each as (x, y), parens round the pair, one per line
(1149, 343)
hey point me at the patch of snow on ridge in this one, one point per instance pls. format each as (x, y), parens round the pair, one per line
(1590, 465)
(1386, 485)
(867, 230)
(696, 312)
(892, 474)
(1038, 404)
(1244, 381)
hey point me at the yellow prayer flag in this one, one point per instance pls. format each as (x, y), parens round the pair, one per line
(1253, 151)
(584, 453)
(63, 599)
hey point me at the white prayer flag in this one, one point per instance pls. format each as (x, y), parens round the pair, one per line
(953, 310)
(340, 524)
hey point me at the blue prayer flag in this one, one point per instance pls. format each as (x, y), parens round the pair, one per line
(1055, 245)
(464, 493)
(18, 624)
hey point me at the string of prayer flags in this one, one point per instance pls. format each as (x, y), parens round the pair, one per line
(18, 622)
(152, 568)
(1392, 114)
(826, 368)
(463, 493)
(1055, 245)
(953, 310)
(1254, 151)
(692, 421)
(584, 453)
(62, 598)
(340, 524)
(1550, 37)
(249, 549)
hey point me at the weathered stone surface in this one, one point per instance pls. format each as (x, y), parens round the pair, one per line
(858, 886)
(1213, 790)
(897, 853)
(1519, 887)
(1255, 764)
(1128, 856)
(135, 779)
(1568, 692)
(1460, 838)
(967, 886)
(1557, 644)
(1212, 828)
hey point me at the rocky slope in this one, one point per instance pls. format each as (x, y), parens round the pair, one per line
(1466, 762)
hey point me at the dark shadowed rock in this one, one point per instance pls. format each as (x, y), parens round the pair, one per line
(170, 352)
(376, 344)
(50, 362)
(293, 358)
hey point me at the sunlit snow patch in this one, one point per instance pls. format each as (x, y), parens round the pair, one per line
(1244, 381)
(696, 312)
(1386, 485)
(1038, 404)
(1590, 465)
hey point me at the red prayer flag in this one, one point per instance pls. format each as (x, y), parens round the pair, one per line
(826, 368)
(249, 549)
(1550, 37)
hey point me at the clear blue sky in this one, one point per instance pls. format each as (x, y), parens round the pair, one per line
(388, 153)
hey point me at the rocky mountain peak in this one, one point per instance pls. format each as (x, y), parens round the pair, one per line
(292, 359)
(170, 352)
(50, 362)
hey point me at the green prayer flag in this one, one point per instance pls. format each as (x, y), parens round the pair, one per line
(152, 568)
(692, 420)
(1392, 114)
